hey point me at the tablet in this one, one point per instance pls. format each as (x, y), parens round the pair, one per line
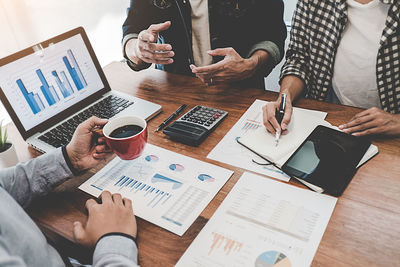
(327, 158)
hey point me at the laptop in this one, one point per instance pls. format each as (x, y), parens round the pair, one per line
(50, 88)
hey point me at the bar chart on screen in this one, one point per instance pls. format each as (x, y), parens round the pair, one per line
(62, 86)
(166, 188)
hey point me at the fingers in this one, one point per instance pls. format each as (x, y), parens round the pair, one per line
(221, 51)
(157, 57)
(146, 36)
(156, 47)
(117, 198)
(106, 197)
(90, 204)
(269, 119)
(94, 121)
(210, 69)
(128, 203)
(156, 28)
(355, 123)
(102, 149)
(79, 232)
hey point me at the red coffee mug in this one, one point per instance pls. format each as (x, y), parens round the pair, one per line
(130, 147)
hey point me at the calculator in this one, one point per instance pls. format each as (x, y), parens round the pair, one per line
(195, 125)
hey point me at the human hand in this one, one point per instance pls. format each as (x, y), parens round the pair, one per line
(373, 121)
(146, 49)
(113, 215)
(84, 152)
(269, 118)
(232, 68)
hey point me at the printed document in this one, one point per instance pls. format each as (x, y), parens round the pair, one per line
(166, 188)
(262, 222)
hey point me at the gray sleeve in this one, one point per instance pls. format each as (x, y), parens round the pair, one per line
(273, 51)
(269, 47)
(113, 251)
(35, 177)
(7, 259)
(131, 64)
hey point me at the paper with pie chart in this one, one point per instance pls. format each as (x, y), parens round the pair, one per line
(262, 223)
(166, 188)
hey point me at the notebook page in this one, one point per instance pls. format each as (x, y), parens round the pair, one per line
(263, 142)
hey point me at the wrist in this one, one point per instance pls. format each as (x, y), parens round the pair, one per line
(251, 65)
(72, 160)
(132, 51)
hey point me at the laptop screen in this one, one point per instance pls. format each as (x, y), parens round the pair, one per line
(45, 83)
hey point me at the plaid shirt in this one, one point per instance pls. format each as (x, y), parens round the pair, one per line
(317, 28)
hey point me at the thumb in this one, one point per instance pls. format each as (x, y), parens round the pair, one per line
(156, 28)
(92, 122)
(79, 232)
(219, 52)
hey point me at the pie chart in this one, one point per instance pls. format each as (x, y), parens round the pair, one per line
(206, 178)
(151, 158)
(272, 259)
(176, 167)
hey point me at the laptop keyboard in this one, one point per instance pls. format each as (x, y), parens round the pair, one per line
(106, 108)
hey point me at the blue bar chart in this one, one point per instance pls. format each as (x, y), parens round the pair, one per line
(75, 71)
(153, 195)
(62, 87)
(47, 90)
(34, 101)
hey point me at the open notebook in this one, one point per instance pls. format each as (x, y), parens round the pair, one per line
(302, 124)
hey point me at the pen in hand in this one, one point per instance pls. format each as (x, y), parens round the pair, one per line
(279, 117)
(170, 118)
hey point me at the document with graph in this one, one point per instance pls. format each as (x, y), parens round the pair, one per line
(231, 152)
(262, 223)
(166, 188)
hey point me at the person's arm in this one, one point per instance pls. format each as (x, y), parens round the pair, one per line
(7, 258)
(271, 36)
(266, 49)
(111, 230)
(36, 177)
(42, 174)
(294, 74)
(297, 54)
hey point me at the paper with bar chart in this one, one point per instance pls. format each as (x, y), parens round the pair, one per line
(262, 223)
(166, 188)
(41, 85)
(231, 152)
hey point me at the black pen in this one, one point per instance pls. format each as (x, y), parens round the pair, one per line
(279, 117)
(170, 118)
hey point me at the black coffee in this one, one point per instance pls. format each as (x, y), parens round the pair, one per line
(126, 131)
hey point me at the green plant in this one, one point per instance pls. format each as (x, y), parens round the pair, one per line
(3, 138)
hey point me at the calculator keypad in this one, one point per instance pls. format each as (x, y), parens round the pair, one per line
(204, 116)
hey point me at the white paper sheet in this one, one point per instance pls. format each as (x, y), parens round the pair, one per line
(166, 188)
(262, 222)
(230, 152)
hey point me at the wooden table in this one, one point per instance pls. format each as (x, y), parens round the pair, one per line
(363, 230)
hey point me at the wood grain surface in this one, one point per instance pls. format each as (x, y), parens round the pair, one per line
(363, 230)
